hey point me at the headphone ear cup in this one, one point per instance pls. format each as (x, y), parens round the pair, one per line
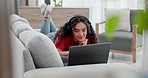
(67, 26)
(89, 27)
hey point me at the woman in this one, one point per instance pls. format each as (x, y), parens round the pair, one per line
(77, 31)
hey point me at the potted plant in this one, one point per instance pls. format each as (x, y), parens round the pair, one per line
(59, 3)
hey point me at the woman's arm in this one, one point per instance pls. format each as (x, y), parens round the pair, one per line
(63, 53)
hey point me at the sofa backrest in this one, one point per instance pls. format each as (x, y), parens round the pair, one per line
(18, 24)
(13, 18)
(133, 15)
(21, 56)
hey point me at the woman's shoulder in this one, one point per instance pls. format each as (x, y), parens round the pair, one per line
(88, 38)
(67, 39)
(64, 39)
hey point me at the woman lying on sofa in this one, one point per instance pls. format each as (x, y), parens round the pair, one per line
(77, 31)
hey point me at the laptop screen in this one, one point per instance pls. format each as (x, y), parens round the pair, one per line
(89, 54)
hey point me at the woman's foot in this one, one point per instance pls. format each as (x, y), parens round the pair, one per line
(46, 10)
(43, 8)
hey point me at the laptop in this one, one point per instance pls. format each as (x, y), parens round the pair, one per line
(89, 54)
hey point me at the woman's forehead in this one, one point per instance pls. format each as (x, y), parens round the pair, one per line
(80, 26)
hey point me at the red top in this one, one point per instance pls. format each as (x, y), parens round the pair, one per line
(65, 43)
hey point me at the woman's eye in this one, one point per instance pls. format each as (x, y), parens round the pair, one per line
(83, 30)
(76, 31)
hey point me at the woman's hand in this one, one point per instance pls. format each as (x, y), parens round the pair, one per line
(63, 53)
(83, 42)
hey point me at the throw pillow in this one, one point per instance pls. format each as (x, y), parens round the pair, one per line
(42, 49)
(124, 15)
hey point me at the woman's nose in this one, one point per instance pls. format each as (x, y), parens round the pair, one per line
(81, 33)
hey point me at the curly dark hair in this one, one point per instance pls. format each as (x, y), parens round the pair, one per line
(67, 29)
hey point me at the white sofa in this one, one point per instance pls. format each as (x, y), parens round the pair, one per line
(35, 56)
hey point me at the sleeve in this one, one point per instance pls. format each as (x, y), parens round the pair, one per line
(60, 44)
(89, 42)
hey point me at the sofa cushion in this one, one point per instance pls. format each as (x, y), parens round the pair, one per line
(19, 27)
(124, 39)
(42, 49)
(139, 40)
(13, 18)
(124, 15)
(28, 61)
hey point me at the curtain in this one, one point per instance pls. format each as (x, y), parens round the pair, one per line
(132, 4)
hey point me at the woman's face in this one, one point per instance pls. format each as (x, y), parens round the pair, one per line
(80, 32)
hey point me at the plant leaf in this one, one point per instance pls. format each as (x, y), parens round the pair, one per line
(111, 26)
(142, 21)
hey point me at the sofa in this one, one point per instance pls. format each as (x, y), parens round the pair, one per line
(35, 56)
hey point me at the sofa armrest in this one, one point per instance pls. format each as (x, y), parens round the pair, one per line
(134, 33)
(97, 26)
(134, 28)
(83, 71)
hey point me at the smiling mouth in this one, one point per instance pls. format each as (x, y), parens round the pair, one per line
(80, 37)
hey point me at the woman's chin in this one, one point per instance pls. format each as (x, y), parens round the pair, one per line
(81, 40)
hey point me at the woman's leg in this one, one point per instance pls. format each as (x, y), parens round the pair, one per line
(45, 29)
(52, 26)
(48, 28)
(53, 30)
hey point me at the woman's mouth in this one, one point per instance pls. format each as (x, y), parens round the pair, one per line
(80, 38)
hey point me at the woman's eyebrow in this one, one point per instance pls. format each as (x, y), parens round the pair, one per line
(76, 29)
(79, 29)
(83, 28)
